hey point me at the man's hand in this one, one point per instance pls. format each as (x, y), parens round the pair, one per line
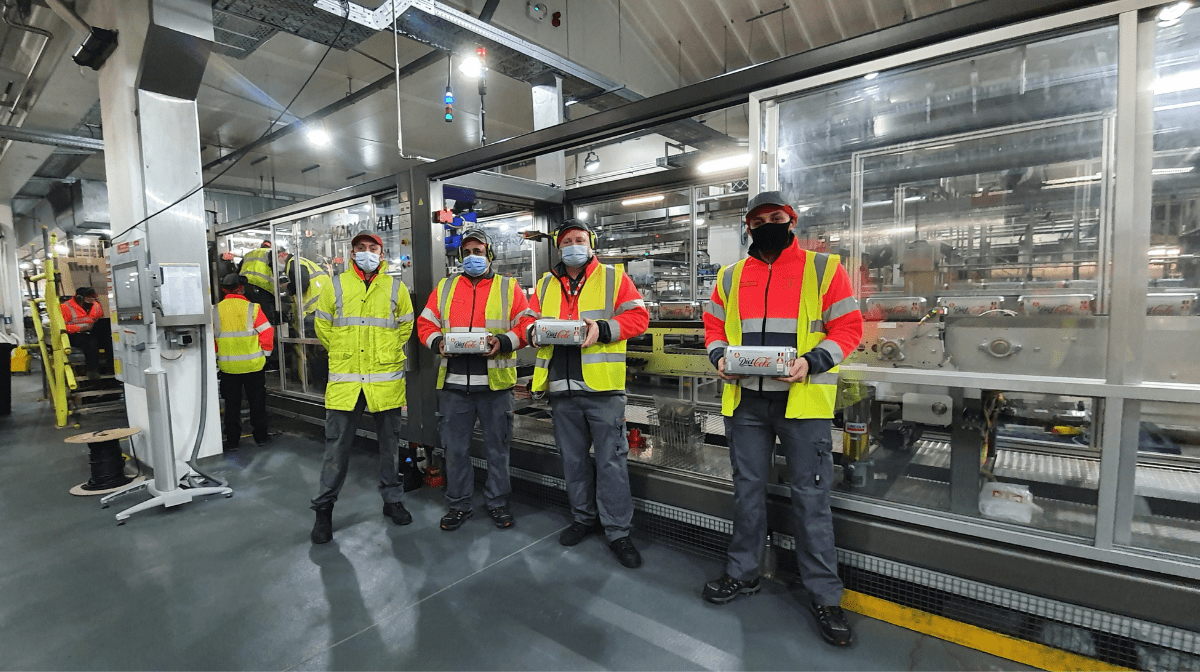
(797, 372)
(442, 348)
(493, 346)
(725, 376)
(593, 334)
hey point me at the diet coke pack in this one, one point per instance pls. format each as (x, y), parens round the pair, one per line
(560, 332)
(758, 360)
(467, 343)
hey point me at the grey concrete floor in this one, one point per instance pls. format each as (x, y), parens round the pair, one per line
(235, 584)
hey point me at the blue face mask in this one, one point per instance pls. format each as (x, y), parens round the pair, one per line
(367, 261)
(576, 255)
(475, 265)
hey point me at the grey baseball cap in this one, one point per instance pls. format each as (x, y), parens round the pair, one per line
(766, 198)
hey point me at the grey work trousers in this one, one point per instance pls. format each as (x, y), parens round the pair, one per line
(340, 430)
(459, 410)
(599, 491)
(807, 445)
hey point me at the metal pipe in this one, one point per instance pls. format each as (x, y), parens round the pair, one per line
(68, 14)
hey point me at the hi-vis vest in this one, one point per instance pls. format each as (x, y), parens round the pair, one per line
(603, 363)
(501, 369)
(814, 396)
(365, 329)
(80, 318)
(238, 347)
(318, 280)
(256, 266)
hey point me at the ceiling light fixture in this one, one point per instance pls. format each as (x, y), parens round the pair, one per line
(591, 162)
(642, 200)
(870, 75)
(471, 66)
(318, 136)
(61, 249)
(1171, 14)
(582, 215)
(723, 164)
(1173, 171)
(525, 218)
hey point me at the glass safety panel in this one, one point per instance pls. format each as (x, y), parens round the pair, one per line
(971, 202)
(1173, 295)
(1166, 506)
(514, 254)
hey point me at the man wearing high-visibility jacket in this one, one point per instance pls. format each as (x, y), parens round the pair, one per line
(586, 384)
(258, 269)
(476, 386)
(364, 323)
(80, 314)
(306, 280)
(244, 340)
(783, 295)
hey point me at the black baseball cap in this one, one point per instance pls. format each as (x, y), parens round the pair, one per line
(570, 225)
(233, 280)
(85, 291)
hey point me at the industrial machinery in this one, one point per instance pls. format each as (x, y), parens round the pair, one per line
(1029, 296)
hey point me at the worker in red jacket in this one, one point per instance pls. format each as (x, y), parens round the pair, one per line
(586, 383)
(476, 386)
(80, 313)
(785, 296)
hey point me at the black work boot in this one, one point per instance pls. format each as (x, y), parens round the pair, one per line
(577, 531)
(626, 553)
(322, 530)
(454, 519)
(834, 626)
(397, 512)
(726, 588)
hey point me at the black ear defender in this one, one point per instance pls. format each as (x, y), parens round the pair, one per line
(481, 236)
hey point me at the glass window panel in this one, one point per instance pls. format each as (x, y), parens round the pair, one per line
(1166, 509)
(1173, 322)
(514, 254)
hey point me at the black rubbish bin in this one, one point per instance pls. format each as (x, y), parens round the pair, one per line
(6, 378)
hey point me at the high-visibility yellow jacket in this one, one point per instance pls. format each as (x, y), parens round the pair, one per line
(364, 328)
(607, 295)
(244, 336)
(453, 307)
(256, 266)
(318, 281)
(804, 300)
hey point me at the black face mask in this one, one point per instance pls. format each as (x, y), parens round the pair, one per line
(771, 237)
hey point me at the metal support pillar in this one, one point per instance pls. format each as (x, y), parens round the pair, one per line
(152, 158)
(966, 446)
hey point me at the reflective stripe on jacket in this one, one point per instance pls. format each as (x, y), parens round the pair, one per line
(795, 320)
(364, 328)
(76, 318)
(256, 266)
(506, 314)
(239, 335)
(602, 364)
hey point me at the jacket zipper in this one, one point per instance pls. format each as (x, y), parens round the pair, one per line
(766, 293)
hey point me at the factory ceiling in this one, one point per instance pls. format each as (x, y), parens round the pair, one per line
(266, 48)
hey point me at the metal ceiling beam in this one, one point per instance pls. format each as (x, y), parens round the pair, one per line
(435, 56)
(767, 27)
(71, 142)
(734, 88)
(489, 8)
(837, 22)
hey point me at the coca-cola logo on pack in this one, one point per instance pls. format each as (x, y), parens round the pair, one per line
(470, 345)
(1163, 310)
(756, 362)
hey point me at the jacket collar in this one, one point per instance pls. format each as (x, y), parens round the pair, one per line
(378, 272)
(479, 278)
(237, 296)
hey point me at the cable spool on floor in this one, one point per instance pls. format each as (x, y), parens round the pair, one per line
(106, 461)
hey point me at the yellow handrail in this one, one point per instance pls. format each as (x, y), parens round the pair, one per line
(59, 376)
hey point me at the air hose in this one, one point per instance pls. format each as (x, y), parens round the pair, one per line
(203, 412)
